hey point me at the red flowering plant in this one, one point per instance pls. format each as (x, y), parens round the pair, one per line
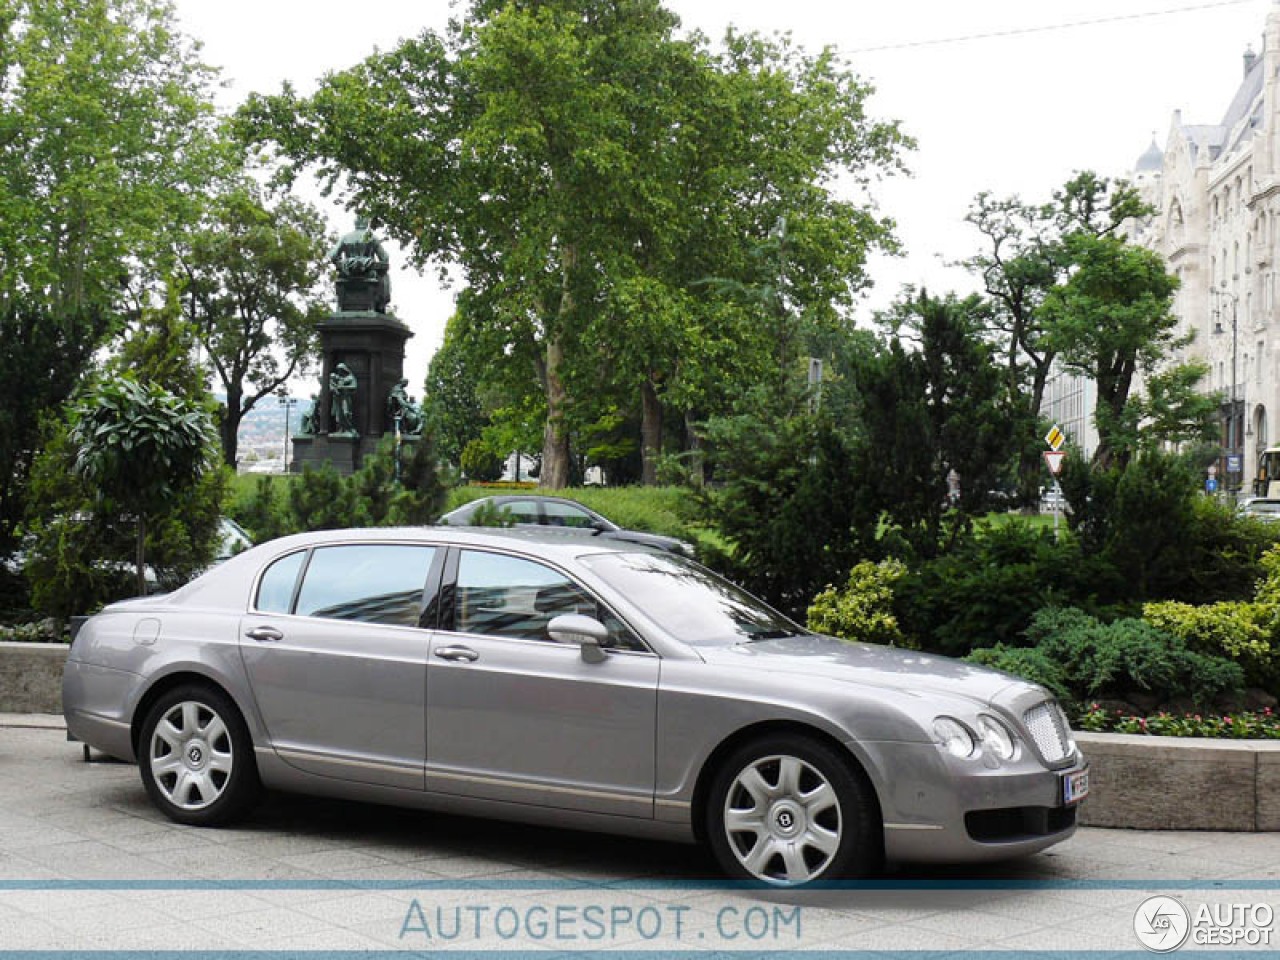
(1246, 725)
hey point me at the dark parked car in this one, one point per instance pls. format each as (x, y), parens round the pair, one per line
(532, 511)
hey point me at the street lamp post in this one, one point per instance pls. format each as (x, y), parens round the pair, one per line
(288, 403)
(1233, 428)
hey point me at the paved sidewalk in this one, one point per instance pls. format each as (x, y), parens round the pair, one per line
(86, 863)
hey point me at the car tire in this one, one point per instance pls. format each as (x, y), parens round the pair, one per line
(196, 757)
(788, 810)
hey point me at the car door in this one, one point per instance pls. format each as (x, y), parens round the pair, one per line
(337, 660)
(514, 716)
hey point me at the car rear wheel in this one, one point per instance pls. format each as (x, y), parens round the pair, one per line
(788, 810)
(196, 757)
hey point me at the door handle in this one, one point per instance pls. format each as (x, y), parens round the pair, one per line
(264, 634)
(456, 652)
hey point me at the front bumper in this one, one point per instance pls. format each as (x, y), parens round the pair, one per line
(938, 809)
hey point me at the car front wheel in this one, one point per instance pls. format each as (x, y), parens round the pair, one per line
(787, 810)
(196, 757)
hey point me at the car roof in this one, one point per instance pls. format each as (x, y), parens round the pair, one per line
(502, 497)
(561, 541)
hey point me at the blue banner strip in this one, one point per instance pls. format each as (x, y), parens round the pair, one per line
(677, 886)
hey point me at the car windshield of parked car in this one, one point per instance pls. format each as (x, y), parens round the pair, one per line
(689, 601)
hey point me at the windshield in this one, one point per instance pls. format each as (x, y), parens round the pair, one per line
(1263, 506)
(689, 601)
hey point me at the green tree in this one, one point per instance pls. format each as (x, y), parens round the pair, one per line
(788, 500)
(254, 292)
(451, 407)
(1111, 320)
(1025, 257)
(570, 156)
(106, 141)
(138, 445)
(930, 410)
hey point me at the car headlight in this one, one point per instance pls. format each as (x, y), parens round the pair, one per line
(954, 737)
(996, 737)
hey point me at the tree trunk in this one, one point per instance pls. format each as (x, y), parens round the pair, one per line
(229, 429)
(1030, 463)
(140, 559)
(650, 432)
(693, 445)
(555, 438)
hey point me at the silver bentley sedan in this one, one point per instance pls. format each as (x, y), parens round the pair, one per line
(557, 678)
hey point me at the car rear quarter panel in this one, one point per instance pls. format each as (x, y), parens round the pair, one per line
(120, 656)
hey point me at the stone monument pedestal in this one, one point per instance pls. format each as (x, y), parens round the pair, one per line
(371, 345)
(345, 452)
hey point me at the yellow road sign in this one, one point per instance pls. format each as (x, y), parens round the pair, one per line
(1055, 437)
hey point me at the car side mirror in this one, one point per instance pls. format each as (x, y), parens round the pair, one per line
(588, 632)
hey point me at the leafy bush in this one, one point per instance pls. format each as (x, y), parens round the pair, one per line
(1029, 663)
(264, 513)
(319, 499)
(987, 589)
(1164, 539)
(1109, 659)
(479, 463)
(1241, 632)
(786, 505)
(47, 630)
(863, 609)
(81, 548)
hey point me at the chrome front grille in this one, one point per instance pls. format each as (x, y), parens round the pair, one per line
(1048, 728)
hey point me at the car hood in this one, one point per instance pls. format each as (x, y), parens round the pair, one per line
(908, 671)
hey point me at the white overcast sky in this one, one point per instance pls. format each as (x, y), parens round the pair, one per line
(1015, 114)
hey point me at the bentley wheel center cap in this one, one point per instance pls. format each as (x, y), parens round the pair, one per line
(787, 820)
(196, 753)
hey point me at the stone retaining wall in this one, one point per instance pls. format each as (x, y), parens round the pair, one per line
(31, 677)
(1181, 783)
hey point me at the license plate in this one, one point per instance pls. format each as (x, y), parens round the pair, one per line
(1075, 787)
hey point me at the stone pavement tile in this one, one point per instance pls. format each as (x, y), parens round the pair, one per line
(277, 845)
(458, 868)
(320, 940)
(26, 835)
(985, 927)
(335, 863)
(17, 868)
(1041, 907)
(902, 936)
(352, 909)
(194, 902)
(1080, 936)
(42, 903)
(25, 932)
(250, 928)
(161, 839)
(101, 925)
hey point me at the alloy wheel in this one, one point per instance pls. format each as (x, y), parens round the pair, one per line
(191, 755)
(782, 820)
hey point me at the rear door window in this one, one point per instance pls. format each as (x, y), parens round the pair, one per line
(372, 583)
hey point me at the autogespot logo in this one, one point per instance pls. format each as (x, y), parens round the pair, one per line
(1161, 924)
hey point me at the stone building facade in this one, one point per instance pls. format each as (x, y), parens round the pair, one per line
(1216, 191)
